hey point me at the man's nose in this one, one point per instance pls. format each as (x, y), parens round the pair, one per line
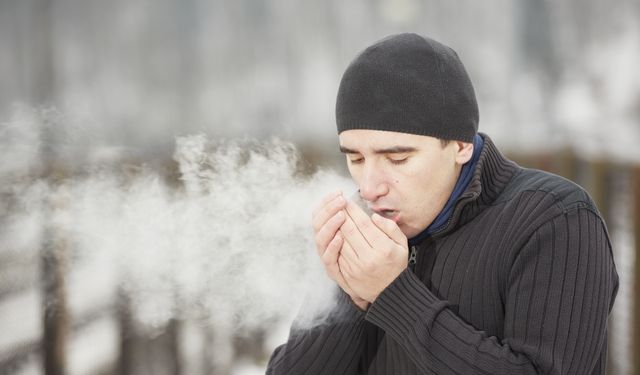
(372, 184)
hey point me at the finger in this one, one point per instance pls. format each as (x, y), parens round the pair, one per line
(326, 199)
(326, 211)
(355, 240)
(345, 269)
(330, 260)
(349, 254)
(330, 255)
(328, 231)
(354, 236)
(368, 230)
(390, 228)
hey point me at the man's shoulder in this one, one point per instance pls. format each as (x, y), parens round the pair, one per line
(550, 189)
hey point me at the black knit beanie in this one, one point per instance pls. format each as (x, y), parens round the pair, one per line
(410, 84)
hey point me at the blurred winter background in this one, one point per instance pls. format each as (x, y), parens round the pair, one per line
(159, 161)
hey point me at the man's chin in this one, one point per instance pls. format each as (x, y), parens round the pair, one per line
(408, 231)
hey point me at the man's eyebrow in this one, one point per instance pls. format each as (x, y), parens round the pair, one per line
(388, 150)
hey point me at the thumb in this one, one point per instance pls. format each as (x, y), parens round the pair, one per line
(390, 228)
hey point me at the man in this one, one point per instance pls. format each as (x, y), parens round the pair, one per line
(470, 264)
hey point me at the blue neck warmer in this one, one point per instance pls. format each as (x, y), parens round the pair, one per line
(461, 186)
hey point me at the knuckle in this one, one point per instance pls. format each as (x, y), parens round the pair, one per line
(368, 266)
(336, 240)
(328, 211)
(386, 252)
(333, 244)
(336, 219)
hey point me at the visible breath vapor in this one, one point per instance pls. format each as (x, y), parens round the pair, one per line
(229, 242)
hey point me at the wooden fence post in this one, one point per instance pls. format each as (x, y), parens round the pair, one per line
(600, 187)
(567, 165)
(601, 176)
(636, 287)
(54, 246)
(173, 333)
(127, 332)
(53, 292)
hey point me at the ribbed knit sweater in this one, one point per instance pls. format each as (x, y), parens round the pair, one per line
(520, 281)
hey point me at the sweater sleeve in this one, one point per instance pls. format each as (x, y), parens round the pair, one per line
(332, 348)
(559, 291)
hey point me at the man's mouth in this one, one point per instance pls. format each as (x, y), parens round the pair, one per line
(388, 213)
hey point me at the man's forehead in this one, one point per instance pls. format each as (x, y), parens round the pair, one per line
(359, 140)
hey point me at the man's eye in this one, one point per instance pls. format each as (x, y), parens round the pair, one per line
(356, 160)
(398, 161)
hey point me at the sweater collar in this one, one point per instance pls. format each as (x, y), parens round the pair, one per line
(491, 172)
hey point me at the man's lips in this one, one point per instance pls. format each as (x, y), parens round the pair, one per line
(387, 213)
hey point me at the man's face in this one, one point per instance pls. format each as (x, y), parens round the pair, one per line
(405, 177)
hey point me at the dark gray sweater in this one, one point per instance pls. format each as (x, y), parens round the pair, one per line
(520, 281)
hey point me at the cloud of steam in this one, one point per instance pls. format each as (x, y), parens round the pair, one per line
(228, 242)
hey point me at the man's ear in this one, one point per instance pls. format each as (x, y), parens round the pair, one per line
(464, 153)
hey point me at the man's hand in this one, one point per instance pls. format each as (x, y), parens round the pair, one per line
(327, 219)
(374, 253)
